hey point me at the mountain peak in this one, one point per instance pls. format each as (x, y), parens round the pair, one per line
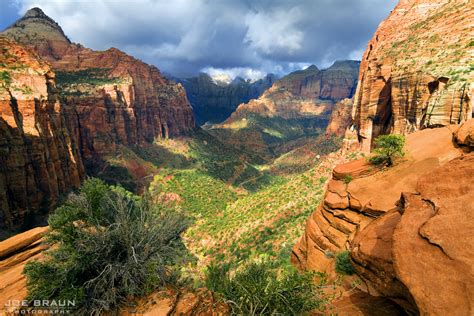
(35, 26)
(35, 13)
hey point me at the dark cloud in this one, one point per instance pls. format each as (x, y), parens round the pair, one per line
(248, 37)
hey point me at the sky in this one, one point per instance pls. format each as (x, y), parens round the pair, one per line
(247, 38)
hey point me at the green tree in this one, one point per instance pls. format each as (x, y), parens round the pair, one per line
(109, 245)
(387, 148)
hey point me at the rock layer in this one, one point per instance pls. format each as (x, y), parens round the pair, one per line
(39, 159)
(214, 103)
(15, 252)
(77, 110)
(431, 85)
(404, 225)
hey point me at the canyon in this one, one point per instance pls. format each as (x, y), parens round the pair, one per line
(280, 170)
(214, 101)
(70, 114)
(296, 106)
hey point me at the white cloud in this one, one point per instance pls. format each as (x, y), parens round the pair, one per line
(274, 31)
(239, 37)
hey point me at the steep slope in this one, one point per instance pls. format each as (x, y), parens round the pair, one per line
(296, 106)
(110, 97)
(213, 102)
(417, 70)
(40, 159)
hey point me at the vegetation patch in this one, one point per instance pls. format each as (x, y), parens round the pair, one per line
(388, 147)
(344, 264)
(257, 289)
(109, 246)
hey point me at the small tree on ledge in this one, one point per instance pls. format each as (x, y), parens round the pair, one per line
(388, 147)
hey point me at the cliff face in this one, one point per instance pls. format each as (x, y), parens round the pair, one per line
(340, 118)
(39, 159)
(214, 103)
(298, 105)
(65, 105)
(416, 70)
(334, 83)
(403, 225)
(110, 97)
(305, 92)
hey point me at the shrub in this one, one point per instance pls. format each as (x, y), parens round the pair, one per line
(387, 147)
(110, 245)
(344, 264)
(257, 289)
(347, 179)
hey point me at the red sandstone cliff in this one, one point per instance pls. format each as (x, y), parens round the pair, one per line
(39, 160)
(304, 93)
(71, 104)
(417, 70)
(407, 226)
(110, 97)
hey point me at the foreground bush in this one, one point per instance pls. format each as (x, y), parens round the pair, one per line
(344, 264)
(109, 246)
(257, 289)
(388, 147)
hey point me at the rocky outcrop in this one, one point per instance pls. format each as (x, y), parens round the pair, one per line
(200, 302)
(39, 159)
(431, 85)
(404, 225)
(111, 98)
(70, 105)
(15, 252)
(20, 249)
(213, 102)
(340, 119)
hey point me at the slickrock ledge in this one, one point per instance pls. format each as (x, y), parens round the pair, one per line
(405, 226)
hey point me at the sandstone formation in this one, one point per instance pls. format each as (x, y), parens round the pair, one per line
(298, 105)
(214, 102)
(303, 93)
(55, 118)
(417, 70)
(340, 119)
(15, 252)
(110, 96)
(407, 226)
(39, 159)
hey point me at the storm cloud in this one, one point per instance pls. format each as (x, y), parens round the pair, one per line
(238, 37)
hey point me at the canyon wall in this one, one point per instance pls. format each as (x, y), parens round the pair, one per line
(214, 102)
(113, 97)
(417, 70)
(39, 159)
(407, 227)
(68, 106)
(304, 93)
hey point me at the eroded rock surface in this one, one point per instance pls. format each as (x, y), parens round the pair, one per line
(407, 226)
(15, 252)
(39, 158)
(431, 84)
